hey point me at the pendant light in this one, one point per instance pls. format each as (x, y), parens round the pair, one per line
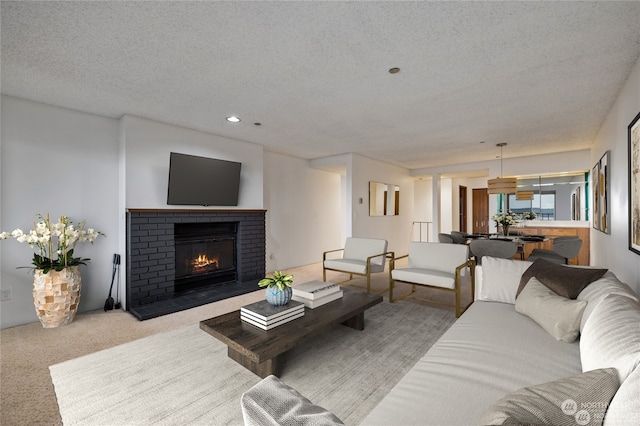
(524, 195)
(502, 185)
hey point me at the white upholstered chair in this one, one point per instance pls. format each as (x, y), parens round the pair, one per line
(435, 265)
(361, 256)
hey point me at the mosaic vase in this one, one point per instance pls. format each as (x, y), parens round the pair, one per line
(56, 295)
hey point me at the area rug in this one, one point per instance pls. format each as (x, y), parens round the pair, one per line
(184, 377)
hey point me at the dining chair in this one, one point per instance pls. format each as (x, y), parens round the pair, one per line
(564, 248)
(493, 247)
(445, 238)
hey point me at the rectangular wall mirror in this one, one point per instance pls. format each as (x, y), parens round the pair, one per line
(384, 199)
(559, 197)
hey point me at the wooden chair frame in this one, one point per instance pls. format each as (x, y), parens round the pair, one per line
(471, 264)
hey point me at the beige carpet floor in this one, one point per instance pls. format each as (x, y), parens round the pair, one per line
(184, 377)
(26, 390)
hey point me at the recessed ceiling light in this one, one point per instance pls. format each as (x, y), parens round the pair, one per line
(394, 70)
(233, 119)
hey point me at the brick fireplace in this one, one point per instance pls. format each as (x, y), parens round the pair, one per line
(220, 254)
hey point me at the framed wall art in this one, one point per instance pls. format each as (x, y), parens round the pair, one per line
(600, 180)
(634, 185)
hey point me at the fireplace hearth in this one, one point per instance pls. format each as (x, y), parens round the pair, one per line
(180, 259)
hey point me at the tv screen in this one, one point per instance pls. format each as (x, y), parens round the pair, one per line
(203, 181)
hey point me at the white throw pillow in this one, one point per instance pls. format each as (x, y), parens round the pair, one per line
(599, 289)
(624, 408)
(500, 279)
(611, 336)
(559, 316)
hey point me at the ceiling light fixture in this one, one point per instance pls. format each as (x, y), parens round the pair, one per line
(524, 195)
(502, 185)
(233, 119)
(394, 70)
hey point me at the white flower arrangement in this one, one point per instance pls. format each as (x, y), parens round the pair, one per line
(505, 219)
(54, 242)
(528, 215)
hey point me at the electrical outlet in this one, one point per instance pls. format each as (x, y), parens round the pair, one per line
(6, 294)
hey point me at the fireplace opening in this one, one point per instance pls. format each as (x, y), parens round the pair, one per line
(205, 255)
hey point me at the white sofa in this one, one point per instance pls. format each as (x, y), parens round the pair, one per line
(496, 365)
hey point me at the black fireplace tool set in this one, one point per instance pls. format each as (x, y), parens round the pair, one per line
(109, 304)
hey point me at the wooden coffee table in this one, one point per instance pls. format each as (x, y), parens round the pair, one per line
(260, 351)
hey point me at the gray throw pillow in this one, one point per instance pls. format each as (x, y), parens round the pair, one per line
(564, 280)
(576, 400)
(273, 403)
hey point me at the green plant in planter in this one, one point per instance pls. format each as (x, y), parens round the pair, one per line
(279, 279)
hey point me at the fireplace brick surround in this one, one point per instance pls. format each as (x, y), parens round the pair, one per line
(151, 259)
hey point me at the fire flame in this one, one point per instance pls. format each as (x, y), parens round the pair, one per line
(203, 261)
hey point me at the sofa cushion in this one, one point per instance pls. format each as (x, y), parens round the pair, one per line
(348, 265)
(425, 276)
(271, 402)
(611, 336)
(579, 399)
(497, 280)
(490, 351)
(559, 316)
(624, 409)
(599, 289)
(564, 280)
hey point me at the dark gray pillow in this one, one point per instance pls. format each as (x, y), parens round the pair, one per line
(566, 281)
(579, 399)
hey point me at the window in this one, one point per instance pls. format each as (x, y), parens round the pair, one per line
(543, 205)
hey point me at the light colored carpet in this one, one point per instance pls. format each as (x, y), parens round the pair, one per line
(185, 377)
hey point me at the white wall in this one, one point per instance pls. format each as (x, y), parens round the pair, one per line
(422, 211)
(62, 162)
(358, 171)
(395, 229)
(148, 145)
(117, 164)
(304, 211)
(447, 207)
(612, 251)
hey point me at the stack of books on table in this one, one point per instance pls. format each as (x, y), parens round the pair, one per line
(266, 316)
(316, 293)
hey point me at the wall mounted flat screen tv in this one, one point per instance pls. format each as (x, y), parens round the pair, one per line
(202, 181)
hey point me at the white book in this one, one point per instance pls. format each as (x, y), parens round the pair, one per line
(266, 311)
(251, 316)
(271, 326)
(315, 289)
(314, 303)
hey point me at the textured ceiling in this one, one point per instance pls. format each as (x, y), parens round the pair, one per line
(540, 76)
